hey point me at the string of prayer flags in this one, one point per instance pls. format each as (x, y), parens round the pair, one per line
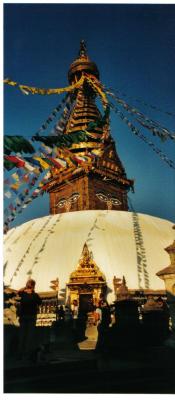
(97, 87)
(23, 200)
(62, 140)
(145, 121)
(17, 143)
(25, 89)
(42, 248)
(61, 124)
(46, 149)
(27, 251)
(8, 194)
(53, 114)
(141, 101)
(163, 133)
(142, 137)
(13, 161)
(140, 253)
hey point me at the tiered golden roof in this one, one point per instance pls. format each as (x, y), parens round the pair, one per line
(87, 271)
(86, 117)
(85, 110)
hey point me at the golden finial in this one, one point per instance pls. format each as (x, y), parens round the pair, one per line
(83, 50)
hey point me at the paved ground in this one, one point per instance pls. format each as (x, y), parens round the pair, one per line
(90, 343)
(69, 368)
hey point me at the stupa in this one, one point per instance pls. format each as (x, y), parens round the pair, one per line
(89, 237)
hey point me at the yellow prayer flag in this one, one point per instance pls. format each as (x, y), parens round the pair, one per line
(15, 176)
(16, 185)
(43, 163)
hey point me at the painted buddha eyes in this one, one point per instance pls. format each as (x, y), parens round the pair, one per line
(72, 199)
(113, 200)
(61, 203)
(101, 197)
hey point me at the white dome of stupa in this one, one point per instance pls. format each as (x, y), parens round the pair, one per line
(51, 246)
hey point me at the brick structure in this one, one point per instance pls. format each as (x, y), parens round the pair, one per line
(101, 183)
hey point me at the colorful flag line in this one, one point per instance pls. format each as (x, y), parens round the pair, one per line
(140, 253)
(145, 121)
(141, 101)
(142, 137)
(33, 90)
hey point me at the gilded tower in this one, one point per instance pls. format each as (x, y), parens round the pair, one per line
(100, 182)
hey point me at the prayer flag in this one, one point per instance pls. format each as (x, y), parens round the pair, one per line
(15, 176)
(43, 162)
(8, 194)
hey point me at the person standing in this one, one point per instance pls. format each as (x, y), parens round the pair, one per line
(98, 314)
(28, 308)
(75, 311)
(103, 326)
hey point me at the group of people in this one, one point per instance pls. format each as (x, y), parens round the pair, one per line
(28, 309)
(27, 312)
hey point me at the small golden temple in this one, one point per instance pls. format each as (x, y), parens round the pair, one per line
(87, 284)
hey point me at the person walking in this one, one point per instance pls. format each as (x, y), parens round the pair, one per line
(28, 308)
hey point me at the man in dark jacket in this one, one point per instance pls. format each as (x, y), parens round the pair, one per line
(28, 308)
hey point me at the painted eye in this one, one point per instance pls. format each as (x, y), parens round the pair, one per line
(61, 203)
(101, 196)
(115, 201)
(74, 197)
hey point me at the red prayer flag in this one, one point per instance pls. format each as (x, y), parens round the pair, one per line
(16, 160)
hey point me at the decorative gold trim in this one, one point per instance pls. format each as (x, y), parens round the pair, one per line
(86, 278)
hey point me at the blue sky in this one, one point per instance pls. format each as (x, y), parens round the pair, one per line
(134, 49)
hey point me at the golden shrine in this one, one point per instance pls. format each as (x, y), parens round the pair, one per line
(87, 284)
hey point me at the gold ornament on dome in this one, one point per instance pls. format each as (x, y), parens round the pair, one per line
(87, 271)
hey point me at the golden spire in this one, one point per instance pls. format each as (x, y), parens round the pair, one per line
(82, 64)
(85, 115)
(83, 50)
